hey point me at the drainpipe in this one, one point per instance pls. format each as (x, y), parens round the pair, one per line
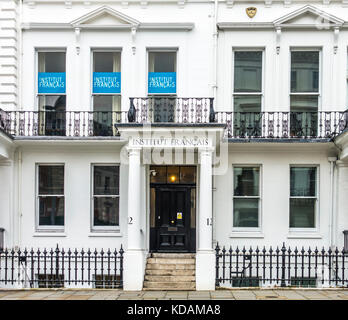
(19, 199)
(332, 161)
(215, 67)
(20, 55)
(215, 48)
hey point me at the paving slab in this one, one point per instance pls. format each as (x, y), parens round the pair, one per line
(290, 295)
(117, 294)
(78, 297)
(314, 295)
(222, 294)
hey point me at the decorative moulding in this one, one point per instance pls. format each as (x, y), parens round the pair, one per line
(229, 3)
(328, 18)
(268, 3)
(104, 10)
(122, 22)
(323, 20)
(68, 4)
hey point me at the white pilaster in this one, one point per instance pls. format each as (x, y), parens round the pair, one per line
(134, 255)
(205, 257)
(340, 221)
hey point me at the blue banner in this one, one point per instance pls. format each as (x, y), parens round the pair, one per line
(162, 82)
(107, 82)
(51, 82)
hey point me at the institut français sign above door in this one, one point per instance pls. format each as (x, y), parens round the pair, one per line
(162, 142)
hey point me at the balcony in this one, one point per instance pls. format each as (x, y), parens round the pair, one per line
(168, 111)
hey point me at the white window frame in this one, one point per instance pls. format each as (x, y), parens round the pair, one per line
(37, 202)
(95, 229)
(317, 203)
(318, 94)
(37, 95)
(94, 50)
(248, 229)
(261, 94)
(161, 49)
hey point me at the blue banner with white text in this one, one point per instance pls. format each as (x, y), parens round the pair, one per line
(162, 82)
(107, 82)
(51, 82)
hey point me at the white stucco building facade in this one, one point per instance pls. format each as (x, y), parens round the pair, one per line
(171, 126)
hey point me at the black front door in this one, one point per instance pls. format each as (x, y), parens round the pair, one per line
(173, 230)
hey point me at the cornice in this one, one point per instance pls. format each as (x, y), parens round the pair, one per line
(180, 26)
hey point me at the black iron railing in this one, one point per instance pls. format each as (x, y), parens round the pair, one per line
(281, 267)
(283, 125)
(239, 125)
(59, 123)
(171, 109)
(61, 268)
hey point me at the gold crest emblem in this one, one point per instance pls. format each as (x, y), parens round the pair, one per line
(251, 11)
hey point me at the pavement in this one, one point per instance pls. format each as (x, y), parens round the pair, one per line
(234, 294)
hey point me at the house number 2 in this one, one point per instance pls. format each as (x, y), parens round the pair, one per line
(209, 222)
(130, 220)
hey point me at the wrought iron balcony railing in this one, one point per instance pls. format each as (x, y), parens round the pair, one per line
(185, 111)
(171, 110)
(283, 125)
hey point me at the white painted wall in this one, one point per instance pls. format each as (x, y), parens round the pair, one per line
(78, 212)
(195, 78)
(275, 190)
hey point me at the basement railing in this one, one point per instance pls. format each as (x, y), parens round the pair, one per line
(281, 267)
(59, 268)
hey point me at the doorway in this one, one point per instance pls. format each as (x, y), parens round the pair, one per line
(173, 209)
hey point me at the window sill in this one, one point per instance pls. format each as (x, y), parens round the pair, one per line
(96, 234)
(49, 234)
(239, 234)
(302, 235)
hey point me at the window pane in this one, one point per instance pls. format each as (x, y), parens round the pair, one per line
(246, 213)
(162, 61)
(173, 174)
(159, 174)
(51, 180)
(303, 103)
(302, 213)
(106, 211)
(51, 61)
(187, 174)
(52, 115)
(52, 103)
(51, 211)
(107, 61)
(105, 114)
(303, 182)
(304, 116)
(304, 71)
(247, 103)
(247, 71)
(246, 181)
(106, 180)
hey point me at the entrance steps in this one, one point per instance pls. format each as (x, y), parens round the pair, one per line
(170, 271)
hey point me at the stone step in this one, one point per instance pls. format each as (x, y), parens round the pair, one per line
(149, 285)
(173, 255)
(161, 278)
(171, 261)
(170, 272)
(169, 266)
